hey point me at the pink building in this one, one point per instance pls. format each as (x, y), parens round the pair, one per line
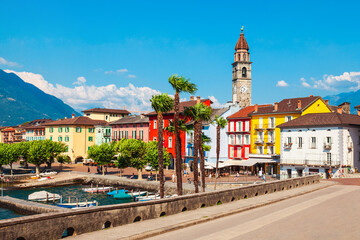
(135, 127)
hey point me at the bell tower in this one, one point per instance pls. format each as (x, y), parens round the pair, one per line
(241, 87)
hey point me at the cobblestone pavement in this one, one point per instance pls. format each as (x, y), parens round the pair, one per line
(346, 181)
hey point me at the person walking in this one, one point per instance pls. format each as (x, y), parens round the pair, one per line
(173, 178)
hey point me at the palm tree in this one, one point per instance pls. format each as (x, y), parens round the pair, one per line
(179, 84)
(204, 148)
(220, 123)
(198, 113)
(161, 103)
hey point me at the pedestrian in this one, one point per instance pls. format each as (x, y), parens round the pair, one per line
(260, 173)
(88, 169)
(210, 177)
(264, 178)
(98, 169)
(187, 173)
(184, 172)
(173, 178)
(132, 176)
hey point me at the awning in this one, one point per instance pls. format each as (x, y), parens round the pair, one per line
(213, 165)
(245, 163)
(265, 160)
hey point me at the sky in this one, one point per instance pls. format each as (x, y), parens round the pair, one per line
(119, 53)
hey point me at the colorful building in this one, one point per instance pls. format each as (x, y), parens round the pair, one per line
(106, 114)
(131, 127)
(169, 138)
(78, 133)
(8, 135)
(102, 134)
(35, 130)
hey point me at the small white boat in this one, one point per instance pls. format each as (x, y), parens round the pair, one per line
(78, 205)
(138, 194)
(44, 196)
(97, 189)
(148, 198)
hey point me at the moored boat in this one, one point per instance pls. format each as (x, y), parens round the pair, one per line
(117, 191)
(75, 205)
(97, 189)
(122, 196)
(44, 196)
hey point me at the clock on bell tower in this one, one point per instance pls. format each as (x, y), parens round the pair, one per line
(242, 73)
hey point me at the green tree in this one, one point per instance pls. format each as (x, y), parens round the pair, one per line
(3, 151)
(179, 84)
(53, 150)
(161, 103)
(121, 162)
(152, 156)
(63, 158)
(220, 123)
(24, 151)
(13, 154)
(102, 154)
(38, 154)
(198, 113)
(133, 152)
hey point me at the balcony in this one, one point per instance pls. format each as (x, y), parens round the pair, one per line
(259, 141)
(270, 127)
(327, 146)
(270, 142)
(107, 134)
(320, 160)
(259, 127)
(287, 146)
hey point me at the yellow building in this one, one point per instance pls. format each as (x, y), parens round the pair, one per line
(106, 114)
(78, 133)
(265, 136)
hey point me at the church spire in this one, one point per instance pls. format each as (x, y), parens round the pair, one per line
(241, 43)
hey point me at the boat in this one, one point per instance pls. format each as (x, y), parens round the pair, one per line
(77, 205)
(44, 196)
(139, 194)
(116, 191)
(122, 196)
(148, 198)
(97, 189)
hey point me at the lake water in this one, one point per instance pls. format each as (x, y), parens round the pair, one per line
(6, 214)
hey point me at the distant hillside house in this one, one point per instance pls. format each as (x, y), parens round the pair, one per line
(106, 114)
(78, 133)
(131, 127)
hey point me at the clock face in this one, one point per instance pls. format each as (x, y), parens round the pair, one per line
(243, 89)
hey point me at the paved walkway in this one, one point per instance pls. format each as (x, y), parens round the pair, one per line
(141, 230)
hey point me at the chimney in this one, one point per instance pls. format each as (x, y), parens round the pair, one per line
(256, 108)
(358, 109)
(198, 99)
(311, 95)
(299, 104)
(192, 98)
(73, 115)
(65, 118)
(124, 107)
(358, 112)
(327, 101)
(345, 107)
(339, 110)
(275, 106)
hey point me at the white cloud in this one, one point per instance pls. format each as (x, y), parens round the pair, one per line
(123, 70)
(87, 96)
(80, 81)
(7, 63)
(282, 83)
(348, 81)
(216, 103)
(131, 76)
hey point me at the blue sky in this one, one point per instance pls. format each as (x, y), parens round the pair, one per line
(115, 53)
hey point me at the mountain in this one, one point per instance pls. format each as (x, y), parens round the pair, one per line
(21, 102)
(352, 97)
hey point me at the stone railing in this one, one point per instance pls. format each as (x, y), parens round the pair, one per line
(53, 225)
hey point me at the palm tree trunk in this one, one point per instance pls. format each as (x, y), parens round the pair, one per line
(217, 153)
(161, 154)
(177, 144)
(202, 159)
(196, 161)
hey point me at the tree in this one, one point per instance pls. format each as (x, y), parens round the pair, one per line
(3, 151)
(152, 156)
(24, 151)
(220, 123)
(179, 84)
(102, 154)
(133, 152)
(63, 158)
(198, 113)
(38, 154)
(161, 103)
(13, 153)
(121, 162)
(53, 150)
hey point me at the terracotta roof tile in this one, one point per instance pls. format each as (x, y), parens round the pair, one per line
(241, 43)
(77, 121)
(183, 105)
(131, 119)
(107, 110)
(244, 113)
(323, 119)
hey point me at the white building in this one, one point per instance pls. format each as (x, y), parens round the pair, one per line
(319, 143)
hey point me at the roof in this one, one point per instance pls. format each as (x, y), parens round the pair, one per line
(107, 110)
(131, 119)
(183, 105)
(241, 43)
(244, 113)
(215, 112)
(77, 121)
(37, 123)
(356, 107)
(8, 129)
(288, 105)
(322, 119)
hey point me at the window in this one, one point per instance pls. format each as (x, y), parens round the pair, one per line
(232, 139)
(247, 152)
(247, 139)
(66, 148)
(238, 152)
(91, 130)
(300, 142)
(328, 140)
(239, 126)
(271, 150)
(288, 118)
(260, 150)
(155, 124)
(231, 151)
(88, 148)
(141, 134)
(328, 158)
(288, 140)
(51, 138)
(271, 137)
(122, 134)
(60, 129)
(134, 134)
(247, 126)
(78, 129)
(115, 134)
(244, 57)
(126, 135)
(260, 122)
(141, 125)
(271, 122)
(243, 72)
(90, 139)
(66, 138)
(313, 142)
(232, 126)
(154, 139)
(260, 136)
(238, 139)
(170, 142)
(51, 129)
(106, 118)
(60, 138)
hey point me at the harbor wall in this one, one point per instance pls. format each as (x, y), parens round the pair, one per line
(52, 225)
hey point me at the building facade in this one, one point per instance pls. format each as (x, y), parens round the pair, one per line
(241, 83)
(35, 130)
(106, 114)
(320, 143)
(131, 127)
(102, 134)
(8, 135)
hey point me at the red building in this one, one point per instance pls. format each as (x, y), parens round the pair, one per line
(239, 133)
(169, 138)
